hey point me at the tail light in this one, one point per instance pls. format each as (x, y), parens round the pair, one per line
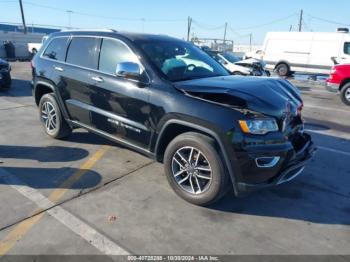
(333, 70)
(300, 109)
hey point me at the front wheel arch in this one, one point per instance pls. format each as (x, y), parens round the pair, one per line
(161, 144)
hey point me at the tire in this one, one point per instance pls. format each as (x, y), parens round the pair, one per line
(282, 70)
(345, 94)
(34, 51)
(7, 82)
(197, 190)
(51, 118)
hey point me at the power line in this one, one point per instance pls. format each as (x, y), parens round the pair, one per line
(266, 24)
(98, 16)
(208, 27)
(327, 21)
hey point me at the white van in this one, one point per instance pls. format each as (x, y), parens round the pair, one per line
(306, 52)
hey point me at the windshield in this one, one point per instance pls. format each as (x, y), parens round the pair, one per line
(230, 57)
(179, 60)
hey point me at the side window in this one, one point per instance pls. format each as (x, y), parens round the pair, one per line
(347, 48)
(84, 51)
(57, 48)
(112, 53)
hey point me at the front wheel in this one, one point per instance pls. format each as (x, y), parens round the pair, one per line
(51, 118)
(194, 169)
(345, 94)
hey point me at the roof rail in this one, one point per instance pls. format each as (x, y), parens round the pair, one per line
(95, 29)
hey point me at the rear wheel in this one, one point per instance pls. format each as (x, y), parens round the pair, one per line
(51, 118)
(194, 169)
(345, 94)
(282, 70)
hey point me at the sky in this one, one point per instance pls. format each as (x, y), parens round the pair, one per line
(244, 17)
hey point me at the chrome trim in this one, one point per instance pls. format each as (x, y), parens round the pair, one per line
(292, 177)
(272, 163)
(97, 79)
(120, 140)
(70, 37)
(106, 114)
(57, 68)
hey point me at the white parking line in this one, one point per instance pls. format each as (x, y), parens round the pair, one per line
(98, 240)
(334, 150)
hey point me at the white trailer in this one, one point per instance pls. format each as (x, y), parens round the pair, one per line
(306, 52)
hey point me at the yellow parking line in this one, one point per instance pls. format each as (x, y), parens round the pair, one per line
(22, 228)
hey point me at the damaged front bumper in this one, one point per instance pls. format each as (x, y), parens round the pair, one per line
(289, 166)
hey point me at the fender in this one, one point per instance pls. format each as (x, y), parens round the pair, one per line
(59, 100)
(208, 132)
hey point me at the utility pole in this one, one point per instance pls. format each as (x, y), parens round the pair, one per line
(250, 41)
(23, 20)
(69, 12)
(290, 28)
(301, 20)
(225, 33)
(189, 25)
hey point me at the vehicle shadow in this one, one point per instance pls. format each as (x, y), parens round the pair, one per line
(327, 125)
(19, 88)
(320, 195)
(85, 137)
(43, 154)
(49, 178)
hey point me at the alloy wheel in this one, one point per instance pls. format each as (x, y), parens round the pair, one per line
(191, 170)
(347, 94)
(49, 117)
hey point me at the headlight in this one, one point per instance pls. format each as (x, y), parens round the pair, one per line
(258, 126)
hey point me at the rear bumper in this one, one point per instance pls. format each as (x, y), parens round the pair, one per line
(291, 168)
(332, 87)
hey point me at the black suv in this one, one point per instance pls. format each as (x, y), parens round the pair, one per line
(169, 100)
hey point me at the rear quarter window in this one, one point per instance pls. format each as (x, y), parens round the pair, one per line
(56, 49)
(84, 52)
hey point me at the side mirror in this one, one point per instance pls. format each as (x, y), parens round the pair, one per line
(129, 70)
(334, 59)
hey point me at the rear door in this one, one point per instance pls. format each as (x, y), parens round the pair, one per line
(77, 85)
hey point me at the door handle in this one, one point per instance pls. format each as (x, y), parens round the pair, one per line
(57, 68)
(97, 79)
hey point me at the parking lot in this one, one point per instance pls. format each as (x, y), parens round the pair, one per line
(87, 195)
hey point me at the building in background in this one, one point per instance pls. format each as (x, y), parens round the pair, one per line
(14, 33)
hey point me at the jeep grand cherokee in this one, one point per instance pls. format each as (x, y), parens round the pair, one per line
(167, 99)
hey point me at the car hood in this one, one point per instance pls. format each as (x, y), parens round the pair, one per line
(273, 97)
